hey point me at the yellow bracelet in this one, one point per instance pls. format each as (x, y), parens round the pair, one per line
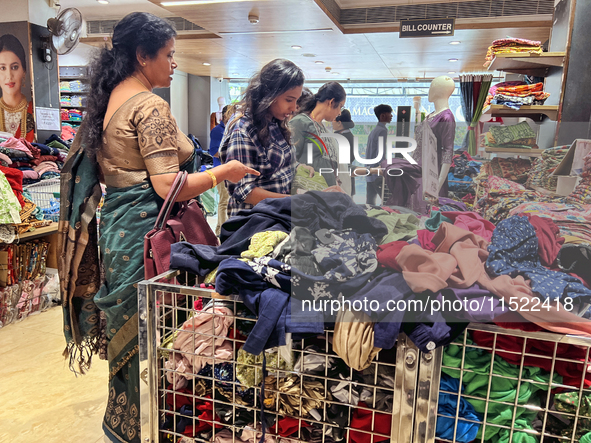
(214, 180)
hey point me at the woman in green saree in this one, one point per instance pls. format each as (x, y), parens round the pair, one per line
(130, 142)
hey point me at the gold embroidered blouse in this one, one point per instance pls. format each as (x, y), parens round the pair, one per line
(142, 139)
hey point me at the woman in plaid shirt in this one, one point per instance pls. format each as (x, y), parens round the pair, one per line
(258, 136)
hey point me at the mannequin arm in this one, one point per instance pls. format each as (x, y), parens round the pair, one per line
(443, 174)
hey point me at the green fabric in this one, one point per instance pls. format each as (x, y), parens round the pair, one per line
(302, 180)
(263, 243)
(504, 135)
(58, 145)
(433, 222)
(249, 367)
(568, 402)
(475, 381)
(400, 226)
(207, 199)
(518, 437)
(586, 438)
(9, 204)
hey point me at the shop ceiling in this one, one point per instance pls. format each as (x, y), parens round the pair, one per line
(357, 39)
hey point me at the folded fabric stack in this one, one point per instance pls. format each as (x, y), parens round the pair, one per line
(582, 193)
(65, 86)
(516, 96)
(520, 136)
(78, 86)
(77, 100)
(66, 100)
(493, 89)
(514, 169)
(69, 132)
(542, 168)
(72, 115)
(512, 46)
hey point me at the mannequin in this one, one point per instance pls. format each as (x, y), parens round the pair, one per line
(216, 117)
(443, 125)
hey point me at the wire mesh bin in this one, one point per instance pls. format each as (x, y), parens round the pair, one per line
(46, 195)
(513, 386)
(199, 386)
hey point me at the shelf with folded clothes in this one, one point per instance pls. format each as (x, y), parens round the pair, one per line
(73, 92)
(72, 106)
(72, 77)
(517, 151)
(528, 64)
(72, 121)
(537, 113)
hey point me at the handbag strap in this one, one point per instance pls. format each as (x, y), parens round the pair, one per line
(170, 200)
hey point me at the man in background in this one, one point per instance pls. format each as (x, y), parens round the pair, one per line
(375, 182)
(215, 139)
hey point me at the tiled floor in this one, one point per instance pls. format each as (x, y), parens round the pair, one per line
(41, 401)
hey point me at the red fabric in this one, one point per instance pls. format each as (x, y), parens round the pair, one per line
(571, 372)
(43, 158)
(425, 237)
(362, 420)
(549, 239)
(178, 399)
(473, 222)
(205, 419)
(287, 426)
(387, 254)
(513, 320)
(15, 179)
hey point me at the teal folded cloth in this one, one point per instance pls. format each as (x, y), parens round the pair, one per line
(433, 222)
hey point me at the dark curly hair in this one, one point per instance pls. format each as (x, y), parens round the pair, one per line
(275, 78)
(136, 32)
(9, 42)
(328, 91)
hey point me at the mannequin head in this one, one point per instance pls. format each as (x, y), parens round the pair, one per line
(221, 102)
(441, 89)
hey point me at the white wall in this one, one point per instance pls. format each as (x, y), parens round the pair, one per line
(199, 97)
(179, 99)
(39, 11)
(14, 11)
(80, 56)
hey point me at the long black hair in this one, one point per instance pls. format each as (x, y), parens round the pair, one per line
(328, 91)
(276, 78)
(9, 42)
(138, 31)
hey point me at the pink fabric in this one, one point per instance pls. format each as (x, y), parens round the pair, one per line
(196, 345)
(425, 237)
(15, 143)
(470, 252)
(30, 174)
(46, 167)
(425, 270)
(5, 158)
(473, 222)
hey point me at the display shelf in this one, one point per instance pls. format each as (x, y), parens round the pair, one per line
(71, 121)
(529, 64)
(37, 233)
(72, 107)
(72, 77)
(515, 151)
(537, 113)
(74, 93)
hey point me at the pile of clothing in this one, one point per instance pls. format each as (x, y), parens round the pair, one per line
(73, 86)
(463, 168)
(72, 115)
(512, 46)
(582, 192)
(520, 136)
(515, 96)
(73, 100)
(540, 174)
(514, 169)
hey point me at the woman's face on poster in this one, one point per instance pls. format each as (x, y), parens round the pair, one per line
(12, 73)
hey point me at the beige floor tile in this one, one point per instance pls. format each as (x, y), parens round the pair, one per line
(42, 401)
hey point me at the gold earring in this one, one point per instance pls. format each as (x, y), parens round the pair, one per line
(144, 63)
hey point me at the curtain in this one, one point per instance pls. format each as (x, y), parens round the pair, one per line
(473, 89)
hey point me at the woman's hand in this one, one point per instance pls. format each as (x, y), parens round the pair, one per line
(233, 171)
(308, 168)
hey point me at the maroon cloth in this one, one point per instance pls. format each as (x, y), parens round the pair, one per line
(425, 237)
(34, 149)
(362, 420)
(43, 158)
(387, 254)
(15, 179)
(571, 372)
(204, 412)
(549, 240)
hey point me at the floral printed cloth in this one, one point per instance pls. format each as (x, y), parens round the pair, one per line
(9, 204)
(512, 46)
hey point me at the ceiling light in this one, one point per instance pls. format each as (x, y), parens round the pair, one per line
(296, 46)
(336, 73)
(319, 62)
(451, 72)
(206, 64)
(103, 2)
(453, 60)
(197, 2)
(455, 43)
(235, 74)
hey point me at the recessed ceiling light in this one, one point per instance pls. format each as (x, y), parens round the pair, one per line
(319, 62)
(453, 59)
(103, 2)
(451, 72)
(455, 43)
(206, 64)
(296, 46)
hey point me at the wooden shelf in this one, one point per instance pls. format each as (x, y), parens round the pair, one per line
(536, 113)
(75, 93)
(72, 121)
(515, 151)
(72, 107)
(529, 64)
(37, 233)
(72, 77)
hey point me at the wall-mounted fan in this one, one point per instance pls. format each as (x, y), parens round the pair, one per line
(65, 30)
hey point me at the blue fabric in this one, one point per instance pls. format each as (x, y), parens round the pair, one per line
(459, 183)
(372, 149)
(215, 139)
(513, 251)
(448, 403)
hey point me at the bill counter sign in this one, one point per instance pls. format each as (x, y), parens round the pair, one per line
(427, 28)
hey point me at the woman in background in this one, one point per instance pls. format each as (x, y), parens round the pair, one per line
(259, 137)
(326, 105)
(343, 125)
(16, 113)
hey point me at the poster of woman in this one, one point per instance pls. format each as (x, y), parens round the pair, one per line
(16, 105)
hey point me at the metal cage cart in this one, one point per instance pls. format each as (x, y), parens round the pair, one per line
(46, 195)
(315, 396)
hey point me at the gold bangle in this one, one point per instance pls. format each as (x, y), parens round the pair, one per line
(214, 180)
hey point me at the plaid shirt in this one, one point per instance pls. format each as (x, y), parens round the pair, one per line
(275, 162)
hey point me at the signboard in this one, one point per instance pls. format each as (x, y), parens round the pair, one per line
(427, 27)
(430, 171)
(48, 119)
